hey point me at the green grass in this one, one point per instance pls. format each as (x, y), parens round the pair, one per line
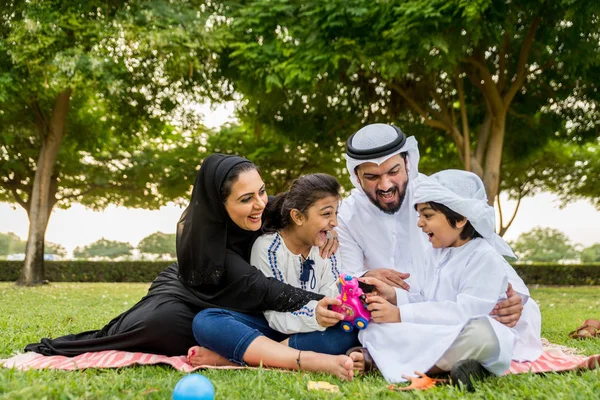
(27, 314)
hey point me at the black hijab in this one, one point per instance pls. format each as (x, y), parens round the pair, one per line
(205, 230)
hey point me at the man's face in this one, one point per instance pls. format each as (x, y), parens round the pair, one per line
(385, 184)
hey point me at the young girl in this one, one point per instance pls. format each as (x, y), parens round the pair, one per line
(296, 223)
(447, 327)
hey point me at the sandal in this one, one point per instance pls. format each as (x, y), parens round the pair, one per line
(369, 363)
(589, 329)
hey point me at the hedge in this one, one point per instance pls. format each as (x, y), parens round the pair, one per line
(146, 271)
(89, 271)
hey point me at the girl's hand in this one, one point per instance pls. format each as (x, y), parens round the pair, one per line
(381, 289)
(382, 310)
(331, 245)
(326, 317)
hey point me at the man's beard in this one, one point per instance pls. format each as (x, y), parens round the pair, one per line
(394, 209)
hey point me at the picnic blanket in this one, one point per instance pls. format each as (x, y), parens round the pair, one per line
(554, 358)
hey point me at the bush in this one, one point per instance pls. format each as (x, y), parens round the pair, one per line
(89, 271)
(146, 271)
(559, 274)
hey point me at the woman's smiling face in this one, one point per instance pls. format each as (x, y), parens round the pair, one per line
(247, 200)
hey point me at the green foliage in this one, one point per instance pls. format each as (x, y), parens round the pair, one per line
(545, 245)
(10, 243)
(315, 72)
(559, 274)
(134, 68)
(104, 248)
(591, 254)
(26, 315)
(158, 243)
(90, 271)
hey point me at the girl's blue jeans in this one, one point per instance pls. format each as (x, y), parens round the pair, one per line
(229, 333)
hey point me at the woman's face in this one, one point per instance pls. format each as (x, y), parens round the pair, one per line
(247, 201)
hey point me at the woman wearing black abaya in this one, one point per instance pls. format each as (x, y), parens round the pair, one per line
(212, 271)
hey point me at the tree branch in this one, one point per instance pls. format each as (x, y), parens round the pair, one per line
(503, 229)
(523, 55)
(428, 121)
(489, 87)
(502, 62)
(465, 122)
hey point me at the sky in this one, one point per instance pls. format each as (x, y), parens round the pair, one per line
(79, 226)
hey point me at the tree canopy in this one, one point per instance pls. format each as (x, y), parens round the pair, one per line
(158, 243)
(104, 248)
(487, 86)
(544, 245)
(94, 98)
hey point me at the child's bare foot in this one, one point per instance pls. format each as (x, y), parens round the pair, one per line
(358, 360)
(198, 356)
(340, 366)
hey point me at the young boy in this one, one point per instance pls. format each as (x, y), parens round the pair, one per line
(446, 325)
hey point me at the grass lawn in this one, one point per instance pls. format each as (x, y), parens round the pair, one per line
(27, 314)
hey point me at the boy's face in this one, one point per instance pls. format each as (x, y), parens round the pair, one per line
(436, 226)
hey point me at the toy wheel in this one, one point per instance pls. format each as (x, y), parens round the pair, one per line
(346, 326)
(361, 323)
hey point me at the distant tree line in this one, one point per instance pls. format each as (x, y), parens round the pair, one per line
(156, 245)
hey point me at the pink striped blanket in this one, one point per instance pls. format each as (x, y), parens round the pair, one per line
(555, 358)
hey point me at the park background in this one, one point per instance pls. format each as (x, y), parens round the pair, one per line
(103, 104)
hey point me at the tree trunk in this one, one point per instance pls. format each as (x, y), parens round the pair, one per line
(40, 205)
(493, 159)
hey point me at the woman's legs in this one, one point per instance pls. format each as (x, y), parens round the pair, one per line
(333, 340)
(246, 338)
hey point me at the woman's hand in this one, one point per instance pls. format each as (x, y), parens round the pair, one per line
(331, 245)
(382, 310)
(508, 312)
(381, 289)
(326, 317)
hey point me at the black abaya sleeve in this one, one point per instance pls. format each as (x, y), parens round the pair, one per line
(244, 288)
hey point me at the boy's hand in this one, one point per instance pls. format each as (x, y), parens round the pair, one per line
(508, 312)
(326, 317)
(381, 289)
(389, 276)
(382, 310)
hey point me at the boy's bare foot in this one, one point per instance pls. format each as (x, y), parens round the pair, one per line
(340, 366)
(198, 356)
(358, 360)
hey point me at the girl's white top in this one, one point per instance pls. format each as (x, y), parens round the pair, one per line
(274, 259)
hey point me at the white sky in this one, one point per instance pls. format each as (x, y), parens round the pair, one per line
(79, 226)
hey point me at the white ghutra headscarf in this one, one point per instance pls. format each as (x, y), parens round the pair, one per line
(463, 192)
(376, 143)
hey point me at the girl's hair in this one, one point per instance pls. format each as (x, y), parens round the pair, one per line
(232, 177)
(304, 192)
(468, 231)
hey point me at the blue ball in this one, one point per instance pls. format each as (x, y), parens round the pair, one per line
(194, 387)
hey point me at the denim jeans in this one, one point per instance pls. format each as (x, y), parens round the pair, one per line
(229, 333)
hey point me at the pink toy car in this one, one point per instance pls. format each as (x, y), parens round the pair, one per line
(353, 304)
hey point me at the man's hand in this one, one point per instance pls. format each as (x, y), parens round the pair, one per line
(331, 245)
(381, 289)
(382, 310)
(390, 276)
(508, 312)
(326, 317)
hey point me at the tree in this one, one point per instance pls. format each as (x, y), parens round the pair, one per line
(104, 248)
(158, 243)
(10, 243)
(591, 254)
(545, 245)
(55, 248)
(90, 93)
(486, 86)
